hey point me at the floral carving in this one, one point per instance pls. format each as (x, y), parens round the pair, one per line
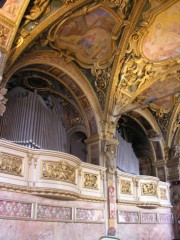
(125, 187)
(149, 189)
(90, 180)
(11, 164)
(60, 171)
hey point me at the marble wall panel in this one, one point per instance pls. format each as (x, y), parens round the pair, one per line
(15, 209)
(53, 213)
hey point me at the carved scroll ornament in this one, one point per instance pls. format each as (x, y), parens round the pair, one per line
(59, 171)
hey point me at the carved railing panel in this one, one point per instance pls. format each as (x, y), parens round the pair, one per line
(141, 190)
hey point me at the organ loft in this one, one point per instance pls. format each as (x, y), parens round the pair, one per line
(89, 119)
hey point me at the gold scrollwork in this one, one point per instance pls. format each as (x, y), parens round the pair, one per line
(90, 180)
(149, 189)
(11, 164)
(163, 194)
(102, 77)
(60, 171)
(125, 187)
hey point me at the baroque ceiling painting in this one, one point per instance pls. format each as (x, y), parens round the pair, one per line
(88, 36)
(163, 38)
(162, 93)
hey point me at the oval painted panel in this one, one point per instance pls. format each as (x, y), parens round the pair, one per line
(163, 38)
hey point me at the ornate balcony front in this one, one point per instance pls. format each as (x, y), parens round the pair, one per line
(141, 190)
(49, 173)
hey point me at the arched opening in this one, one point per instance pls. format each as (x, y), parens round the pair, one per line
(135, 146)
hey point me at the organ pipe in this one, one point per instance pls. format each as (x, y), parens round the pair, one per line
(28, 121)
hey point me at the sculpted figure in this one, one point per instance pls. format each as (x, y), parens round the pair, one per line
(39, 7)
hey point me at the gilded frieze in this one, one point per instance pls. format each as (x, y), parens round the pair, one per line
(59, 171)
(11, 164)
(90, 180)
(125, 187)
(149, 189)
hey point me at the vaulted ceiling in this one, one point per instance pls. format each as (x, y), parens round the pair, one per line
(103, 59)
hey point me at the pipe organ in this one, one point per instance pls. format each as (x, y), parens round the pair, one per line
(30, 122)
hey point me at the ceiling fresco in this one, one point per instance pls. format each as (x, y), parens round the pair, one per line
(163, 38)
(162, 93)
(88, 36)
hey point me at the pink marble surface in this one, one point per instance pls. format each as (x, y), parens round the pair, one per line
(145, 232)
(47, 230)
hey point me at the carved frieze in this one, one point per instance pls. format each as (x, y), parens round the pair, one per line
(125, 187)
(59, 171)
(11, 164)
(90, 180)
(149, 189)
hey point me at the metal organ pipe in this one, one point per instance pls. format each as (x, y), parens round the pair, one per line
(30, 122)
